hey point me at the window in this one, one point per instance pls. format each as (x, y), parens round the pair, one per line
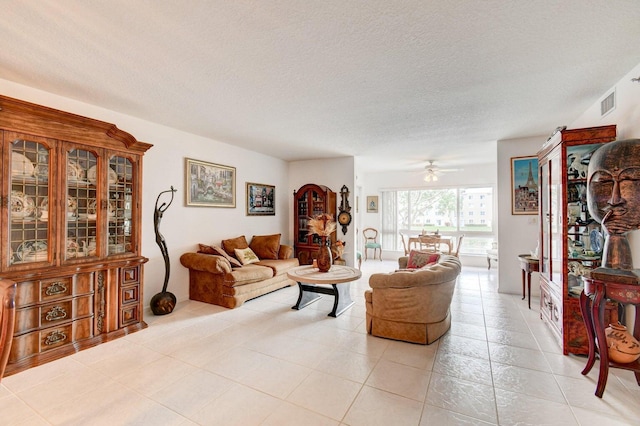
(446, 210)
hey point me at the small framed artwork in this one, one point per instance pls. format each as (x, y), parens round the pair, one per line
(261, 199)
(524, 185)
(372, 204)
(209, 184)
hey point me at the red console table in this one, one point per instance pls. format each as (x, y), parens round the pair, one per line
(592, 304)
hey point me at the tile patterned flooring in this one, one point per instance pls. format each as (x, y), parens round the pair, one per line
(266, 364)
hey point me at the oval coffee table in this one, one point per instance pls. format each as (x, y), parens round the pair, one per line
(311, 281)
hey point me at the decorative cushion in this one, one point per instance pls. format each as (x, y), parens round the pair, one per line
(265, 246)
(234, 243)
(419, 259)
(220, 252)
(246, 256)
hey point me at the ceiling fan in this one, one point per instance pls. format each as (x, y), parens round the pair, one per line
(432, 171)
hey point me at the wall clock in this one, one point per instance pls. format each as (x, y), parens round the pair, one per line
(344, 216)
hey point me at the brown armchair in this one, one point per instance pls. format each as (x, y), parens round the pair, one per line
(412, 305)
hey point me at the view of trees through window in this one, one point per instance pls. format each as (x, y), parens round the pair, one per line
(450, 211)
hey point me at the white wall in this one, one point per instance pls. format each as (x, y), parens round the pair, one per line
(375, 183)
(184, 227)
(332, 173)
(518, 234)
(626, 117)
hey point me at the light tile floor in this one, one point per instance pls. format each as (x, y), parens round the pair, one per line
(266, 364)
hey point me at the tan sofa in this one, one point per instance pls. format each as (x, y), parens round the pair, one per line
(214, 279)
(412, 305)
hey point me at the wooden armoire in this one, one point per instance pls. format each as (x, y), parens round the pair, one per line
(71, 190)
(308, 201)
(570, 240)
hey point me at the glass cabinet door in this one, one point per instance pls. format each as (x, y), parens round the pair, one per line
(545, 220)
(29, 239)
(82, 212)
(303, 217)
(121, 173)
(557, 221)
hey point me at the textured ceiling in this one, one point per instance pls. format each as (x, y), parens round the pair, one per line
(397, 82)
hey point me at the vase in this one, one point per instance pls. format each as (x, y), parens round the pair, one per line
(623, 347)
(324, 255)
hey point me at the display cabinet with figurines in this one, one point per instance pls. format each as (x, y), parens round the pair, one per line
(570, 240)
(311, 200)
(69, 231)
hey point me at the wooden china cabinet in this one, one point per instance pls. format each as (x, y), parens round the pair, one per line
(309, 201)
(570, 240)
(69, 230)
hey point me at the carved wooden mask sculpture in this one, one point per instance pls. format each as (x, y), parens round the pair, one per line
(613, 197)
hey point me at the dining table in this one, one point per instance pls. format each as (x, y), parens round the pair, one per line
(436, 239)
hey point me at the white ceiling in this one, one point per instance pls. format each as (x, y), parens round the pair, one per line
(397, 82)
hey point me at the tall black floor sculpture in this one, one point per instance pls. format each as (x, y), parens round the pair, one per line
(163, 302)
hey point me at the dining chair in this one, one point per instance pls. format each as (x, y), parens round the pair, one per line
(428, 243)
(7, 319)
(404, 244)
(458, 244)
(371, 242)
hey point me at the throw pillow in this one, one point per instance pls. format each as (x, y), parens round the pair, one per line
(234, 243)
(265, 246)
(419, 259)
(246, 256)
(220, 252)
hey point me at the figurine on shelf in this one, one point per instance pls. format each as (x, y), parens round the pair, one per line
(613, 197)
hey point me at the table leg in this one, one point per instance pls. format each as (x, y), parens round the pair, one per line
(585, 308)
(342, 300)
(529, 287)
(636, 334)
(523, 278)
(597, 312)
(305, 297)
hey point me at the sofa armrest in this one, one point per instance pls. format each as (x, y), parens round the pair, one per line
(285, 252)
(206, 262)
(402, 262)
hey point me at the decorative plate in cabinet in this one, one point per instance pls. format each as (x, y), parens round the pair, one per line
(21, 165)
(22, 205)
(32, 251)
(75, 172)
(93, 170)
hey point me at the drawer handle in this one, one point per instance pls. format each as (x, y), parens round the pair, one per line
(55, 337)
(55, 288)
(56, 313)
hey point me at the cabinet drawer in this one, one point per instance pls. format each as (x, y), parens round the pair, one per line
(32, 292)
(29, 319)
(130, 275)
(129, 294)
(551, 310)
(129, 314)
(50, 338)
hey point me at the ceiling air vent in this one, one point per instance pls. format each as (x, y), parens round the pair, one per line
(608, 104)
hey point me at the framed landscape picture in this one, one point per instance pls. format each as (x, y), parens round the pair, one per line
(209, 184)
(261, 199)
(524, 185)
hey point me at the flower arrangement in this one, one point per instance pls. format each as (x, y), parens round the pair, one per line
(322, 225)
